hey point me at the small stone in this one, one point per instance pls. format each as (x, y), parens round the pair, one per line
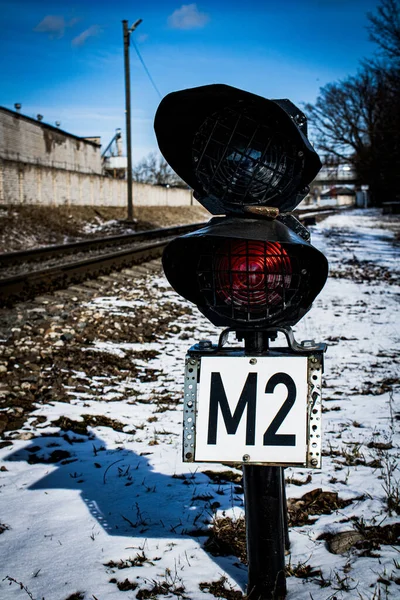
(3, 422)
(55, 309)
(25, 435)
(66, 337)
(342, 542)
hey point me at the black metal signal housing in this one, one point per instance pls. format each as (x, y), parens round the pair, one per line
(248, 158)
(246, 273)
(236, 149)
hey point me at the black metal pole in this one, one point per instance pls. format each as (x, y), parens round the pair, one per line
(285, 517)
(264, 511)
(128, 117)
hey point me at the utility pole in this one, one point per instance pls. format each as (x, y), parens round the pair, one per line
(127, 32)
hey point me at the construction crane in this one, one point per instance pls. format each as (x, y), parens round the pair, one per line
(114, 164)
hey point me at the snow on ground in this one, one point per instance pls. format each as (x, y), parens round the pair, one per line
(116, 512)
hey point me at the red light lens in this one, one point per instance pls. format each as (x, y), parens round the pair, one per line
(252, 275)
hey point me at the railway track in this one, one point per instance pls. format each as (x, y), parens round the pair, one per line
(25, 274)
(91, 258)
(311, 216)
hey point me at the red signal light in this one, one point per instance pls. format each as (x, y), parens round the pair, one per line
(250, 281)
(246, 273)
(253, 275)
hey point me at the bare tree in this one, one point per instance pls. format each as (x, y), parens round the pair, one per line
(155, 170)
(344, 115)
(384, 28)
(357, 120)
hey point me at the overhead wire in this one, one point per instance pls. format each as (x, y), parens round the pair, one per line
(146, 69)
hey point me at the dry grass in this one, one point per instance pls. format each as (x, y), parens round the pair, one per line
(316, 502)
(221, 589)
(227, 538)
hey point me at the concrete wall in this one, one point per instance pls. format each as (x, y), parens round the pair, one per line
(40, 164)
(29, 141)
(346, 200)
(310, 201)
(24, 183)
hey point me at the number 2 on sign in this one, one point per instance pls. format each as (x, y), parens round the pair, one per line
(271, 438)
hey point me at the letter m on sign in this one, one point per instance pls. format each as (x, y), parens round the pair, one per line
(218, 399)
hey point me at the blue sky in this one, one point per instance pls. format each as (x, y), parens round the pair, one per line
(64, 59)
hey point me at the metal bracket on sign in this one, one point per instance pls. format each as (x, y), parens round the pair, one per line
(314, 411)
(192, 365)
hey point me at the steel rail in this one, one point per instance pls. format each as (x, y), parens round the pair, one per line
(46, 252)
(27, 285)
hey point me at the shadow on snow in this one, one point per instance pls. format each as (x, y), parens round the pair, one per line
(126, 496)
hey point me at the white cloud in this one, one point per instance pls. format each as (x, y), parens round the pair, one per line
(54, 25)
(187, 16)
(92, 31)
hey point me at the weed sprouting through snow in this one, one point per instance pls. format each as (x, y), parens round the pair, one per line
(22, 586)
(391, 482)
(172, 584)
(302, 570)
(221, 589)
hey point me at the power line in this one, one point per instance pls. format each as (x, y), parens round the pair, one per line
(146, 69)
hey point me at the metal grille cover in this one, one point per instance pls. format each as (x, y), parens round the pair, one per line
(242, 156)
(269, 276)
(249, 280)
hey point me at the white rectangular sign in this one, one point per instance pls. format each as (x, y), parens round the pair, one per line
(252, 409)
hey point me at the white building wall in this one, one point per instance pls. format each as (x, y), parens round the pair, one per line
(25, 140)
(22, 183)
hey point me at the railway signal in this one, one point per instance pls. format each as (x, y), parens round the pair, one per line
(254, 272)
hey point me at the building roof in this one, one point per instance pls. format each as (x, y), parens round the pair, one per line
(18, 115)
(339, 190)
